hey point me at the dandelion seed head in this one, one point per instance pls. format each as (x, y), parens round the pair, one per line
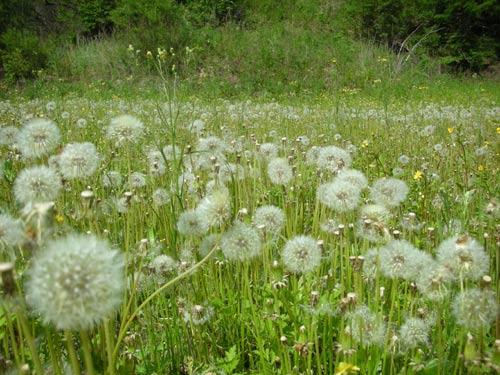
(125, 129)
(76, 282)
(279, 171)
(400, 259)
(365, 327)
(333, 159)
(339, 195)
(241, 242)
(11, 231)
(192, 223)
(215, 207)
(413, 333)
(112, 179)
(78, 160)
(160, 197)
(475, 308)
(389, 192)
(464, 257)
(37, 138)
(301, 254)
(269, 220)
(36, 185)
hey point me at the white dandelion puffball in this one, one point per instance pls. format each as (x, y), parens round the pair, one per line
(78, 160)
(301, 254)
(389, 192)
(11, 231)
(475, 308)
(269, 220)
(339, 195)
(279, 171)
(76, 282)
(38, 138)
(37, 184)
(125, 129)
(333, 159)
(241, 242)
(192, 223)
(464, 257)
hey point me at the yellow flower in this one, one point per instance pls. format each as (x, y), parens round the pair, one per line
(498, 130)
(346, 368)
(59, 218)
(451, 130)
(418, 175)
(480, 167)
(364, 143)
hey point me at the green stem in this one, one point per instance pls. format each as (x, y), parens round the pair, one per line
(87, 352)
(75, 365)
(124, 327)
(31, 343)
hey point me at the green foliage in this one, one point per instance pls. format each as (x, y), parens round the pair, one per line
(151, 24)
(22, 55)
(464, 34)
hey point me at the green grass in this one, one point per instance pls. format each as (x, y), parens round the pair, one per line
(265, 319)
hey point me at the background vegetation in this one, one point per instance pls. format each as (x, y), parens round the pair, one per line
(241, 46)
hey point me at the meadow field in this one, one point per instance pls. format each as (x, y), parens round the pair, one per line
(216, 187)
(166, 235)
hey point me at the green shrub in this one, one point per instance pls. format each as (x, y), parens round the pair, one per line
(22, 54)
(463, 34)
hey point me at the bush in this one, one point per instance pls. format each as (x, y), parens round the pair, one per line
(463, 34)
(22, 54)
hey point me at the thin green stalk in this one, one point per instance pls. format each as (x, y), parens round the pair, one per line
(87, 352)
(73, 358)
(124, 327)
(31, 343)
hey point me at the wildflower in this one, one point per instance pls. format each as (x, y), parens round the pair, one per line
(137, 180)
(353, 176)
(215, 207)
(312, 155)
(197, 126)
(279, 171)
(76, 282)
(163, 266)
(160, 197)
(124, 129)
(192, 223)
(111, 179)
(339, 195)
(11, 231)
(37, 184)
(268, 151)
(389, 192)
(241, 242)
(170, 150)
(365, 327)
(78, 160)
(451, 130)
(301, 254)
(434, 282)
(81, 123)
(372, 225)
(269, 220)
(412, 333)
(403, 159)
(197, 314)
(464, 257)
(208, 243)
(333, 159)
(38, 138)
(156, 163)
(400, 259)
(417, 176)
(8, 135)
(345, 368)
(475, 308)
(371, 264)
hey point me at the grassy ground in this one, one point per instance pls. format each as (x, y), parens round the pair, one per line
(207, 299)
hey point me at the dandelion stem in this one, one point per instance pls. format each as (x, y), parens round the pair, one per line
(75, 365)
